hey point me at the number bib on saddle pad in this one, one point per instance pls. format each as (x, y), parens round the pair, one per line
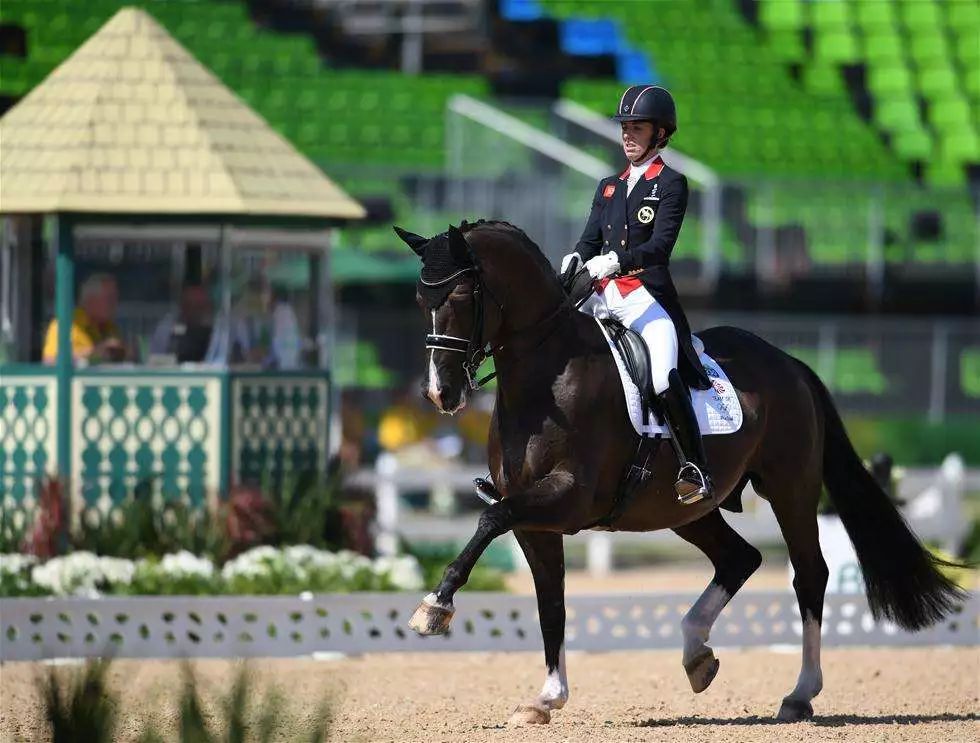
(718, 409)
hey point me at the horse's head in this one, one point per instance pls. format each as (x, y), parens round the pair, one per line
(449, 292)
(469, 274)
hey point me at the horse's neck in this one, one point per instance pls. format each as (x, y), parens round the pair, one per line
(529, 371)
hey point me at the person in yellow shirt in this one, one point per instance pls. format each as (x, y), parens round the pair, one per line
(95, 337)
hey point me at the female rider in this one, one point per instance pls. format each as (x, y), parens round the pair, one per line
(626, 247)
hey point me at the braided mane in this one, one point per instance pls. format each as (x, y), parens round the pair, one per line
(511, 231)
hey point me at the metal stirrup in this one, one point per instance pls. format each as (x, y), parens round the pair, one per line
(697, 495)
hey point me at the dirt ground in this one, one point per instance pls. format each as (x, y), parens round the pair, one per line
(918, 695)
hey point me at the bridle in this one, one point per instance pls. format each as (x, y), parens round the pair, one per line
(475, 349)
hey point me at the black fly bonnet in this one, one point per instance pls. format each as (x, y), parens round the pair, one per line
(446, 259)
(441, 271)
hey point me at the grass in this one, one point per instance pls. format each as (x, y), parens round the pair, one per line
(81, 705)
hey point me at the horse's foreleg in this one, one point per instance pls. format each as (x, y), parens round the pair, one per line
(734, 561)
(546, 556)
(549, 503)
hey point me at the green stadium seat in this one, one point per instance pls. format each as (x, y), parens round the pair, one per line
(970, 371)
(968, 50)
(971, 84)
(830, 16)
(895, 114)
(782, 14)
(912, 144)
(963, 146)
(926, 49)
(919, 15)
(938, 82)
(871, 16)
(941, 172)
(884, 47)
(856, 371)
(950, 115)
(963, 15)
(837, 47)
(787, 45)
(890, 80)
(823, 79)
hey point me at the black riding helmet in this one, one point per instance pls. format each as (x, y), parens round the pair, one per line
(649, 103)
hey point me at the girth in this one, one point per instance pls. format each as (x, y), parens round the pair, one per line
(636, 476)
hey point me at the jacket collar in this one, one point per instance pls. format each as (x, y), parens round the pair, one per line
(651, 172)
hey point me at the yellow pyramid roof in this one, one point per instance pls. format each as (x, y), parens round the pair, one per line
(132, 123)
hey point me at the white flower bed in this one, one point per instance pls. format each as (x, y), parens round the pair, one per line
(82, 574)
(262, 570)
(15, 573)
(186, 565)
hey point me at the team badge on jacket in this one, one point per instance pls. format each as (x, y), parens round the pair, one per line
(645, 214)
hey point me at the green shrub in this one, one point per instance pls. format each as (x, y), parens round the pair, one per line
(80, 706)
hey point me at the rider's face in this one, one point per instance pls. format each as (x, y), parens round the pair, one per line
(637, 136)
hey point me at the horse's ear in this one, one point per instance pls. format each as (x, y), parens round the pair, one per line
(459, 248)
(415, 242)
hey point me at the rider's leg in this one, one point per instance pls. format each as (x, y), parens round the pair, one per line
(595, 305)
(642, 313)
(693, 481)
(648, 317)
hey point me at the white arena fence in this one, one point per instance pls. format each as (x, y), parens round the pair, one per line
(933, 506)
(223, 627)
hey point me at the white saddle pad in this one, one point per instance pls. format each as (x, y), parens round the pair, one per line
(718, 409)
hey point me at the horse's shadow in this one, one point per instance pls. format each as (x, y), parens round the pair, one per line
(818, 720)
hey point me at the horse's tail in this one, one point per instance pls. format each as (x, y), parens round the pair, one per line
(902, 578)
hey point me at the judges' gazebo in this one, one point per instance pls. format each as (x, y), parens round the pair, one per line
(132, 142)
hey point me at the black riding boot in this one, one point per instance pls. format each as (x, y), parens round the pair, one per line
(693, 482)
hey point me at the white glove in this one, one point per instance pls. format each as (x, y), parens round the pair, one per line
(569, 260)
(602, 265)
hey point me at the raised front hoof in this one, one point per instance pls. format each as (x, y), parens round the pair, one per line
(431, 619)
(530, 714)
(702, 669)
(794, 710)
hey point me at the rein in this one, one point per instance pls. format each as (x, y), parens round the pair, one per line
(474, 348)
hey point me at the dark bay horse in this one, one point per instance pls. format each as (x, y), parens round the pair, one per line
(560, 441)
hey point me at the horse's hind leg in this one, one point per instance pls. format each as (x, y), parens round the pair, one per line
(546, 555)
(795, 511)
(734, 561)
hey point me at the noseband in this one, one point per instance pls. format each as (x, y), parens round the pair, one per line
(474, 349)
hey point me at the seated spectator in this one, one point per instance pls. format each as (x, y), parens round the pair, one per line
(286, 341)
(95, 337)
(186, 331)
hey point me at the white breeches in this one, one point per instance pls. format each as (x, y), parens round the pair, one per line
(639, 311)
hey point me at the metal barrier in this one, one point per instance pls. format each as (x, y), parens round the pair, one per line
(182, 627)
